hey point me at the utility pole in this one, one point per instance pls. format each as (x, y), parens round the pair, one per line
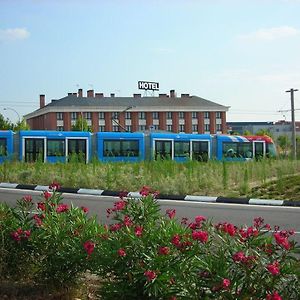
(294, 150)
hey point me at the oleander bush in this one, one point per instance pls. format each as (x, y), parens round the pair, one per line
(140, 253)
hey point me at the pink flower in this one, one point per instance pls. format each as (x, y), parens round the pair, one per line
(274, 296)
(27, 198)
(115, 227)
(85, 209)
(62, 208)
(41, 206)
(151, 275)
(164, 250)
(123, 194)
(54, 186)
(138, 231)
(47, 195)
(176, 240)
(38, 220)
(238, 257)
(16, 236)
(282, 240)
(120, 205)
(127, 221)
(226, 283)
(145, 191)
(199, 219)
(121, 252)
(89, 247)
(201, 236)
(274, 268)
(257, 222)
(171, 213)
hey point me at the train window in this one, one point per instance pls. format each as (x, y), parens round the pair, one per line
(271, 150)
(77, 149)
(181, 149)
(235, 149)
(34, 149)
(55, 147)
(3, 147)
(200, 150)
(124, 148)
(163, 150)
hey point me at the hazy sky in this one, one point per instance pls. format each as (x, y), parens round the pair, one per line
(244, 54)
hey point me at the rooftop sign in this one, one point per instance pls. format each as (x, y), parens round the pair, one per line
(146, 85)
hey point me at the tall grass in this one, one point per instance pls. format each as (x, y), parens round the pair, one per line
(211, 178)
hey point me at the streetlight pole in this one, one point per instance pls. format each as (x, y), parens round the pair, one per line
(9, 108)
(294, 150)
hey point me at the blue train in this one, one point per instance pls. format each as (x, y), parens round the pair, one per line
(61, 146)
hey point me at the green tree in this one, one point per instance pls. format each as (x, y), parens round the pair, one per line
(21, 125)
(284, 143)
(5, 124)
(264, 132)
(247, 132)
(81, 125)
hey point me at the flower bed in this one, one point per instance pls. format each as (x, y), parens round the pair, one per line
(142, 254)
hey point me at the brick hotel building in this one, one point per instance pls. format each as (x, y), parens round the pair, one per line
(189, 114)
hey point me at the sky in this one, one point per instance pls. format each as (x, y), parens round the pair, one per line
(239, 53)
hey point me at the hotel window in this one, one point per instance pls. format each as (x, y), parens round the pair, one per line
(142, 115)
(142, 127)
(218, 127)
(87, 115)
(169, 115)
(155, 115)
(169, 127)
(155, 127)
(194, 115)
(128, 128)
(114, 115)
(59, 116)
(206, 115)
(73, 116)
(115, 128)
(101, 115)
(181, 115)
(181, 128)
(206, 127)
(195, 128)
(101, 128)
(60, 128)
(218, 115)
(127, 115)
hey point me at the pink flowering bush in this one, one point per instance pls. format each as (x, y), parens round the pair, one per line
(150, 255)
(48, 242)
(145, 253)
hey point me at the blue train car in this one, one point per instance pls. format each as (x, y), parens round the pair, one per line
(180, 147)
(6, 145)
(120, 146)
(54, 146)
(233, 148)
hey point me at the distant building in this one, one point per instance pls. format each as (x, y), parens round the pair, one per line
(275, 128)
(190, 114)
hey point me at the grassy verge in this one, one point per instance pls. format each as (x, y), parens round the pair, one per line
(261, 179)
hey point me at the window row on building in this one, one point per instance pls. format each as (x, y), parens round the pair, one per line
(141, 115)
(189, 122)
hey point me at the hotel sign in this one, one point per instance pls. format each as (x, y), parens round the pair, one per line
(146, 85)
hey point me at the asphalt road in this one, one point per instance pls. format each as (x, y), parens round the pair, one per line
(238, 214)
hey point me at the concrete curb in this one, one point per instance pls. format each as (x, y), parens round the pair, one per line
(208, 199)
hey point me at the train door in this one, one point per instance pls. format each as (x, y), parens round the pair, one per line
(259, 149)
(34, 149)
(200, 150)
(163, 149)
(77, 149)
